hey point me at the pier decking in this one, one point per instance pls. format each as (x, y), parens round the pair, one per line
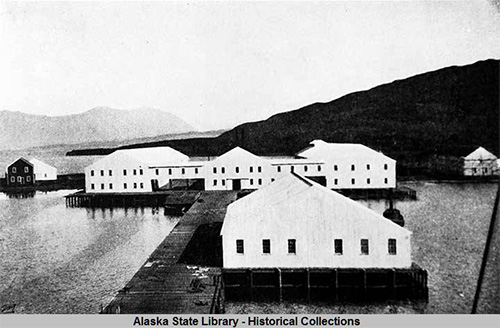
(168, 282)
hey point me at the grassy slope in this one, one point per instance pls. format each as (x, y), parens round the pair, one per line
(426, 122)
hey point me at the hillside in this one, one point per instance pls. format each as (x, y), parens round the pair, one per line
(21, 130)
(426, 122)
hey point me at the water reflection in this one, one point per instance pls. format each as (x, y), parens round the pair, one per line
(69, 260)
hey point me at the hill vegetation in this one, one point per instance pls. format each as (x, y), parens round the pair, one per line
(425, 122)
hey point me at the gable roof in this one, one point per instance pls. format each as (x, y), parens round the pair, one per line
(238, 154)
(39, 163)
(283, 191)
(20, 158)
(320, 148)
(481, 154)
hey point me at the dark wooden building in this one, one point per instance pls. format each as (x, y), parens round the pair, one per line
(20, 174)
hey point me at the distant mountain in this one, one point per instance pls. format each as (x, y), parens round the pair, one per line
(19, 130)
(425, 122)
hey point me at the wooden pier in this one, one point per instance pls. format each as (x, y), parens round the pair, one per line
(336, 284)
(176, 198)
(172, 281)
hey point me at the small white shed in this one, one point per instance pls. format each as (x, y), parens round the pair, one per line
(43, 171)
(480, 163)
(297, 223)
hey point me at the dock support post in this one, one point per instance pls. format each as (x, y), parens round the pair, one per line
(308, 279)
(336, 284)
(393, 283)
(250, 280)
(364, 284)
(280, 285)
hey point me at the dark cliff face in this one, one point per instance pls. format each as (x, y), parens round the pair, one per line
(425, 120)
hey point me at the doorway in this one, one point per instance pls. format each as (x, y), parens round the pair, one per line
(237, 184)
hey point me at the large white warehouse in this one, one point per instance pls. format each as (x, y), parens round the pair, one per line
(480, 163)
(131, 170)
(297, 223)
(353, 166)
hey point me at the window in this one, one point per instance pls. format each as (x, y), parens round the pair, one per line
(135, 172)
(368, 166)
(215, 170)
(237, 169)
(110, 173)
(102, 185)
(305, 168)
(157, 171)
(195, 170)
(91, 173)
(28, 178)
(223, 170)
(485, 170)
(124, 186)
(319, 168)
(338, 247)
(386, 166)
(251, 169)
(102, 173)
(353, 181)
(335, 181)
(259, 169)
(142, 185)
(292, 246)
(110, 186)
(240, 246)
(335, 168)
(278, 168)
(368, 180)
(26, 170)
(392, 246)
(364, 246)
(140, 171)
(183, 171)
(124, 172)
(135, 185)
(353, 167)
(169, 171)
(251, 182)
(92, 186)
(223, 182)
(19, 179)
(14, 170)
(386, 180)
(260, 182)
(12, 179)
(215, 182)
(272, 179)
(45, 175)
(266, 246)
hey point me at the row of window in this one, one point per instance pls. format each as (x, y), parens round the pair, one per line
(338, 247)
(110, 172)
(223, 182)
(20, 179)
(26, 169)
(125, 186)
(353, 181)
(353, 167)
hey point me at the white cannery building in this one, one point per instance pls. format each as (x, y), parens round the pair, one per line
(132, 170)
(480, 163)
(43, 171)
(352, 166)
(297, 223)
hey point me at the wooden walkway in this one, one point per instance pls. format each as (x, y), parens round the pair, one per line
(163, 285)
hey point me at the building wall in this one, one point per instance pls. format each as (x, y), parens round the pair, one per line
(44, 172)
(314, 222)
(480, 167)
(363, 168)
(20, 174)
(107, 175)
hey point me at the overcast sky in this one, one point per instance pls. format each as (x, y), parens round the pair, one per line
(218, 64)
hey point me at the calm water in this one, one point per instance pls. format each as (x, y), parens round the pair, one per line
(70, 260)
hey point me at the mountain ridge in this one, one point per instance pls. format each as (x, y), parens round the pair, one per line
(21, 130)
